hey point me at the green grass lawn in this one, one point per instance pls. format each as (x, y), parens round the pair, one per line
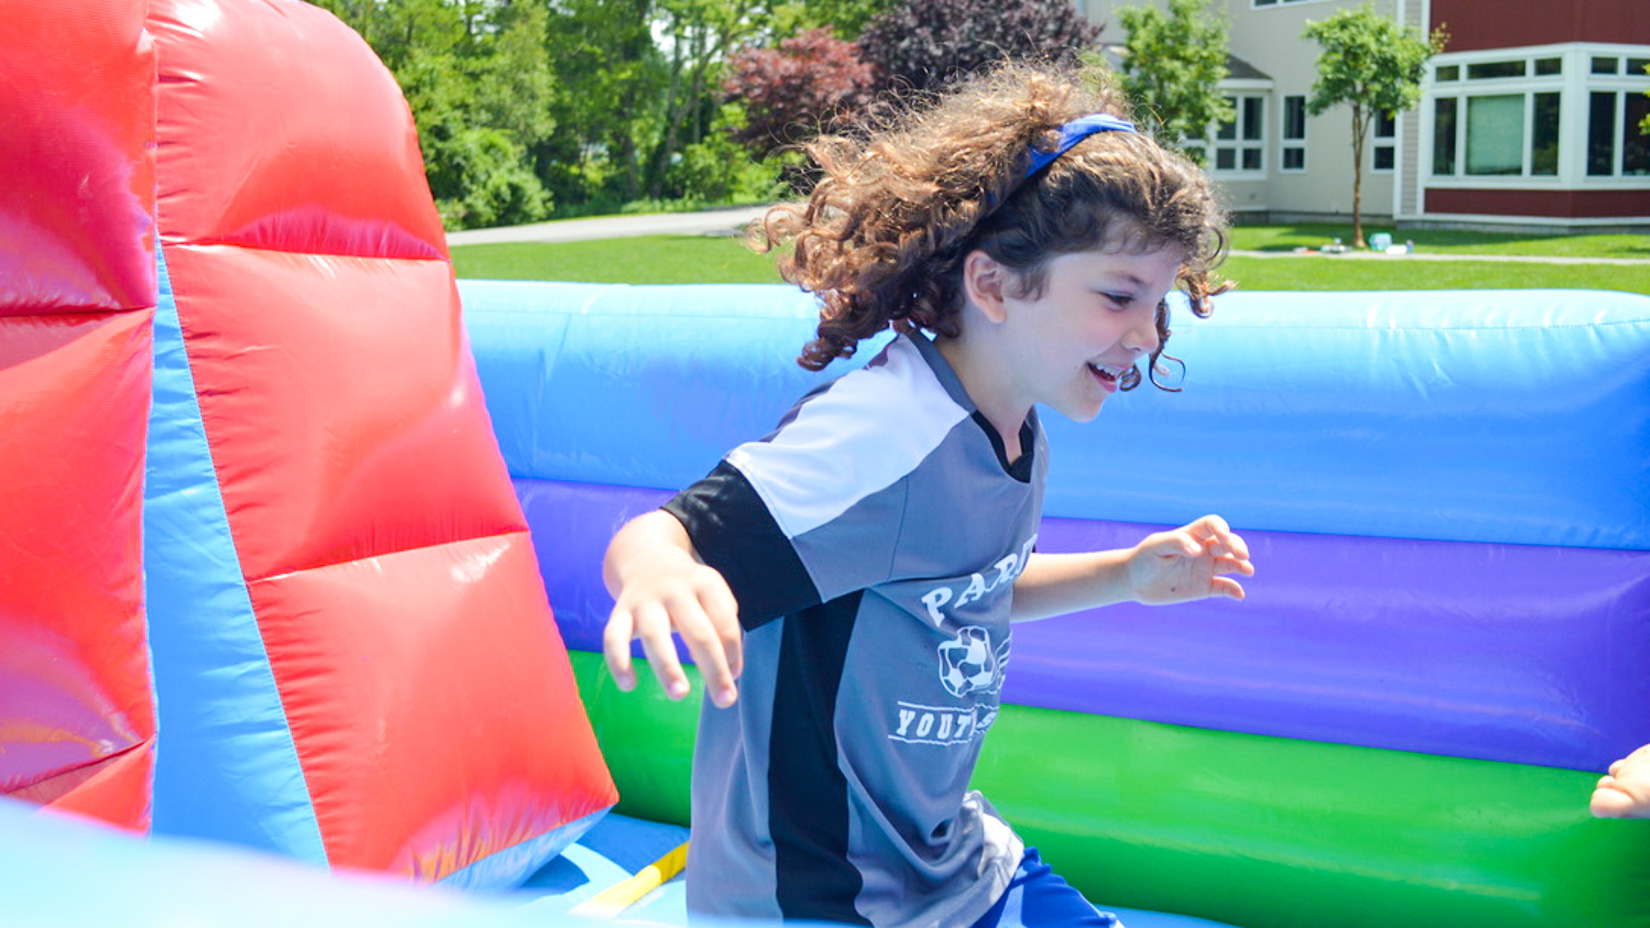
(1447, 242)
(676, 259)
(1349, 273)
(652, 259)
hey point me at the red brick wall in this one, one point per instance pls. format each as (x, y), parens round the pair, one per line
(1565, 204)
(1481, 24)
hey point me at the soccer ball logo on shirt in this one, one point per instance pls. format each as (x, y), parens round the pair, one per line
(969, 664)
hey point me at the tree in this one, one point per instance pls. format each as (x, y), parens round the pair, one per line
(792, 92)
(718, 169)
(479, 178)
(1173, 70)
(695, 38)
(589, 104)
(398, 30)
(923, 45)
(512, 83)
(1373, 65)
(609, 75)
(477, 79)
(845, 18)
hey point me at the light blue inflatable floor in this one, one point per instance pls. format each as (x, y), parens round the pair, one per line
(619, 846)
(57, 871)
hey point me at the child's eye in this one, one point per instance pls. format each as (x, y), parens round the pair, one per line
(1121, 299)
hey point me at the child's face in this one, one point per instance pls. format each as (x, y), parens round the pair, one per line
(1095, 317)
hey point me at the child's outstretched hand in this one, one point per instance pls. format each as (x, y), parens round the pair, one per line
(658, 587)
(1192, 562)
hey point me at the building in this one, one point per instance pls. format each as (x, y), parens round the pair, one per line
(1529, 118)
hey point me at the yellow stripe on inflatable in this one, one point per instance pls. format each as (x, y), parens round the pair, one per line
(620, 896)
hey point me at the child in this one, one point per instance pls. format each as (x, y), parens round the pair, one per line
(1625, 791)
(860, 566)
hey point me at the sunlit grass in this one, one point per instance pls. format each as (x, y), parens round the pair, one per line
(1353, 273)
(1447, 241)
(678, 259)
(652, 259)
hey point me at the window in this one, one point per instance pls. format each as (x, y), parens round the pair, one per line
(1294, 132)
(1615, 147)
(1616, 105)
(1239, 145)
(1495, 135)
(1496, 116)
(1491, 70)
(1253, 118)
(1544, 136)
(1601, 133)
(1384, 156)
(1444, 134)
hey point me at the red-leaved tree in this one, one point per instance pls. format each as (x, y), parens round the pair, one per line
(794, 92)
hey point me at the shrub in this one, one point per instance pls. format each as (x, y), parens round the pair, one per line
(921, 45)
(793, 92)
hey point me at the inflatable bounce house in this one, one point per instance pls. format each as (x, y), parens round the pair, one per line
(253, 498)
(301, 542)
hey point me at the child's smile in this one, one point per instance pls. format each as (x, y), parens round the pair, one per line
(1108, 376)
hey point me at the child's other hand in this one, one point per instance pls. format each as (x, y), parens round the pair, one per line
(664, 588)
(1193, 562)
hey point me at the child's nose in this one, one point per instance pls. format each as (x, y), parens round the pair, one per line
(1141, 338)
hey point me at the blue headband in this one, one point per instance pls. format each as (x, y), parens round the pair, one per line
(1073, 132)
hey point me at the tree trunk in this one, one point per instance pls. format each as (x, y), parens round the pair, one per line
(673, 122)
(626, 148)
(1358, 129)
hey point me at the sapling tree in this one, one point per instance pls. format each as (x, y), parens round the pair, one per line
(1374, 65)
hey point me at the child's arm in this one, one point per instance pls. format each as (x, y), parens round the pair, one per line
(1169, 567)
(659, 585)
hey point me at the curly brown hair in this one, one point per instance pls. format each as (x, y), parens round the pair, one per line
(882, 236)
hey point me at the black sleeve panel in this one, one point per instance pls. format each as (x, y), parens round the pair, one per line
(733, 532)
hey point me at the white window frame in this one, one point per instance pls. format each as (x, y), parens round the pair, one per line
(1212, 144)
(1574, 86)
(1625, 81)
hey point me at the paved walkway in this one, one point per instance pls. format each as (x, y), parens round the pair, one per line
(733, 220)
(710, 222)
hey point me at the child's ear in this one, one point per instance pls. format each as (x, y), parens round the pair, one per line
(984, 281)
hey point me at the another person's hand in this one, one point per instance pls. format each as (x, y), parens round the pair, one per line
(1192, 562)
(1625, 791)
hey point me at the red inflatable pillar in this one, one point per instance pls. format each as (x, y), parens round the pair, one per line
(77, 298)
(355, 660)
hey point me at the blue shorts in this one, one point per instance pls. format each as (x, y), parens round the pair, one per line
(1040, 898)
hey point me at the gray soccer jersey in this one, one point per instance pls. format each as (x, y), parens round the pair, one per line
(872, 542)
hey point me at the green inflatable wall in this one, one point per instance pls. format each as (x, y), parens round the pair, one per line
(1254, 831)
